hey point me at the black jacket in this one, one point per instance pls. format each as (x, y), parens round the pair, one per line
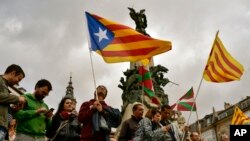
(128, 129)
(70, 132)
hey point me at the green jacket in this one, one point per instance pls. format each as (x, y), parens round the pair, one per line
(5, 100)
(30, 123)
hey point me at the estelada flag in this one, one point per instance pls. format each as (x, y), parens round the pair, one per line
(239, 118)
(221, 66)
(119, 43)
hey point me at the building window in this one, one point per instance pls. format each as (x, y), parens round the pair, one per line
(243, 105)
(223, 115)
(230, 112)
(208, 121)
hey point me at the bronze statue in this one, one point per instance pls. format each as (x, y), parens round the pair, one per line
(140, 20)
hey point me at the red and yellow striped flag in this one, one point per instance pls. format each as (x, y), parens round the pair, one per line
(119, 43)
(239, 118)
(221, 66)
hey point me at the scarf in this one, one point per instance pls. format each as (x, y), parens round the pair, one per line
(65, 115)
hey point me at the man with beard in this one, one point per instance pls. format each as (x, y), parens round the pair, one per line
(130, 125)
(35, 118)
(13, 75)
(97, 117)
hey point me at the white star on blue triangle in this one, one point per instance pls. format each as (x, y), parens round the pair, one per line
(100, 36)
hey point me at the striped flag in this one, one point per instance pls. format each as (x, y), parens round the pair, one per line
(146, 82)
(221, 66)
(119, 43)
(186, 102)
(239, 118)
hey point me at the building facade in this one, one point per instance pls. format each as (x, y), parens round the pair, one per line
(218, 122)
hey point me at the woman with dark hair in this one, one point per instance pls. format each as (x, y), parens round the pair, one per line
(65, 125)
(150, 128)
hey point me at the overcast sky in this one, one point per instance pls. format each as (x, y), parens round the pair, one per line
(48, 39)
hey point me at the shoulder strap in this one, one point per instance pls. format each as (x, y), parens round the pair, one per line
(63, 124)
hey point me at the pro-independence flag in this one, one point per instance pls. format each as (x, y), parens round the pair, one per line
(146, 82)
(221, 66)
(119, 43)
(239, 118)
(186, 102)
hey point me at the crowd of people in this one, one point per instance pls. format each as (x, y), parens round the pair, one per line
(32, 120)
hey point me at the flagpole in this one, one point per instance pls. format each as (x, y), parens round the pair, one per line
(195, 110)
(197, 93)
(93, 73)
(199, 129)
(212, 47)
(91, 61)
(195, 102)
